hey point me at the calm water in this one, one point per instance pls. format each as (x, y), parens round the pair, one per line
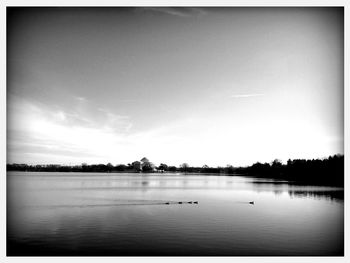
(126, 214)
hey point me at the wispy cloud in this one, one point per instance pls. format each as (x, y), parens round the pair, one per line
(176, 11)
(237, 96)
(38, 134)
(81, 98)
(35, 129)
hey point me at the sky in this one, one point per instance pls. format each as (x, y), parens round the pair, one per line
(212, 86)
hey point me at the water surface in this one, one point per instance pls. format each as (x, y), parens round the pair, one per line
(126, 214)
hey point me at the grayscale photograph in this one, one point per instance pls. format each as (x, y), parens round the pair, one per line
(145, 131)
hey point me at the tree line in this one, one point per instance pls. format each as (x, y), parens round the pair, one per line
(329, 171)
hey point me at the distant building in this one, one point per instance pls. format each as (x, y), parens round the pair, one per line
(144, 159)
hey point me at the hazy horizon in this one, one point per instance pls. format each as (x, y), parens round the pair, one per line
(177, 166)
(212, 86)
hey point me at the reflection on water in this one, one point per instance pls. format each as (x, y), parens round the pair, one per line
(298, 191)
(328, 195)
(135, 214)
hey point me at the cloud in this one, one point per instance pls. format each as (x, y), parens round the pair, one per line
(81, 99)
(237, 96)
(176, 11)
(82, 114)
(41, 134)
(35, 129)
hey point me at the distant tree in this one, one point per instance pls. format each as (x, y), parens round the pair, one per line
(172, 169)
(229, 169)
(205, 169)
(121, 167)
(163, 167)
(147, 167)
(276, 163)
(184, 167)
(110, 167)
(85, 167)
(136, 166)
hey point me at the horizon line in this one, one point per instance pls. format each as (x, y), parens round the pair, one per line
(280, 160)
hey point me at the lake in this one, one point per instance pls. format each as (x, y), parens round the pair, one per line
(120, 214)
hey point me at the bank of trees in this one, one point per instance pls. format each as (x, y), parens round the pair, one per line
(329, 171)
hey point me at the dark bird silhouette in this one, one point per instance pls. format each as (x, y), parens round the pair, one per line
(195, 202)
(252, 202)
(180, 202)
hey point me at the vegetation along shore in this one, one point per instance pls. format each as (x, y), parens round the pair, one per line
(327, 171)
